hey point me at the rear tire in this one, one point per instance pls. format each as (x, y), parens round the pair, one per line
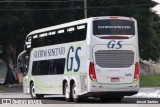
(32, 92)
(104, 99)
(39, 96)
(67, 92)
(118, 99)
(75, 97)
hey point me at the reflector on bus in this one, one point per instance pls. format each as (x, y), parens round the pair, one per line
(114, 37)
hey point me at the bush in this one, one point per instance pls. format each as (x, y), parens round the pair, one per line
(150, 80)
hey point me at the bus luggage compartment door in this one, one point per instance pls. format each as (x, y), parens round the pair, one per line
(114, 65)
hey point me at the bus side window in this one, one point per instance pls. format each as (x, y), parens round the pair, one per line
(35, 70)
(44, 67)
(25, 64)
(56, 66)
(51, 67)
(60, 64)
(81, 33)
(70, 34)
(40, 68)
(55, 69)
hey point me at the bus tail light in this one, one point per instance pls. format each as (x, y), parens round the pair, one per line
(113, 17)
(114, 37)
(92, 71)
(136, 73)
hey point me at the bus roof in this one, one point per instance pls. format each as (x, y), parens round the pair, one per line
(76, 22)
(57, 26)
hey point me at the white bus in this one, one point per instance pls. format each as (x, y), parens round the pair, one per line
(93, 57)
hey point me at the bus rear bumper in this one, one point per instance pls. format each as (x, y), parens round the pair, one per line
(111, 94)
(113, 89)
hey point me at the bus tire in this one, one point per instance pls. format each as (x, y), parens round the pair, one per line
(75, 97)
(119, 99)
(106, 100)
(32, 92)
(67, 92)
(39, 96)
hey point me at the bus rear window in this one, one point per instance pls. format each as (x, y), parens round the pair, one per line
(113, 27)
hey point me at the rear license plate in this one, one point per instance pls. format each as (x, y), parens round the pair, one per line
(115, 79)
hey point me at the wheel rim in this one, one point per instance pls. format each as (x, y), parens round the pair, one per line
(33, 91)
(74, 92)
(67, 92)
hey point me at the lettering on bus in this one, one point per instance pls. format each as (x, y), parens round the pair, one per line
(49, 52)
(114, 27)
(70, 57)
(114, 44)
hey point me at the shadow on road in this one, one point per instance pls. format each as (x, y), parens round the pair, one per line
(61, 100)
(54, 99)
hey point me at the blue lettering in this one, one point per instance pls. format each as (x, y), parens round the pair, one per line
(69, 66)
(77, 59)
(111, 44)
(70, 59)
(119, 43)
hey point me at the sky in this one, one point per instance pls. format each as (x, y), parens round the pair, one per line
(157, 8)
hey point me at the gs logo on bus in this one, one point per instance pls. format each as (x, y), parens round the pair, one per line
(114, 44)
(70, 58)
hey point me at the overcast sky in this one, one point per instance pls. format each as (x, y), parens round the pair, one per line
(157, 8)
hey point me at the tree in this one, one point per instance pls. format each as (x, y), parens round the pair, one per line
(16, 24)
(148, 21)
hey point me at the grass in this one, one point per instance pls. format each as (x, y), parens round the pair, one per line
(150, 80)
(1, 90)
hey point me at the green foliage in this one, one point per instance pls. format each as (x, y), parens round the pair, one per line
(149, 80)
(16, 24)
(148, 22)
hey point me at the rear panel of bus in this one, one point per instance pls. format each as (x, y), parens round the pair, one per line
(114, 64)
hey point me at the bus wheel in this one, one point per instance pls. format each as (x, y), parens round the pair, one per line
(67, 93)
(107, 100)
(32, 92)
(39, 96)
(119, 99)
(75, 97)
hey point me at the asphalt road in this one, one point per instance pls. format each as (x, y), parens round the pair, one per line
(60, 100)
(16, 92)
(54, 101)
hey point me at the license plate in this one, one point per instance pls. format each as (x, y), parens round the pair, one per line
(115, 79)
